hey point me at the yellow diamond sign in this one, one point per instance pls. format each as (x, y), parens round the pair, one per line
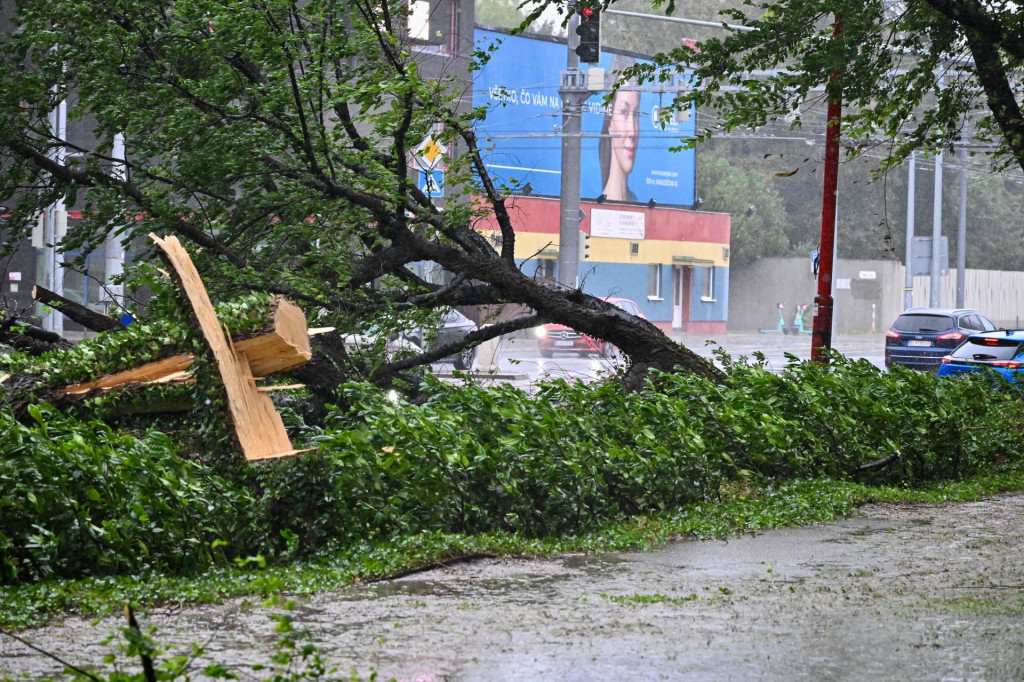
(428, 155)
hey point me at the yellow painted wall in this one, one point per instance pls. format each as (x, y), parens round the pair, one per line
(608, 250)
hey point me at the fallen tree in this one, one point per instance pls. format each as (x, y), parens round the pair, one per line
(278, 344)
(278, 146)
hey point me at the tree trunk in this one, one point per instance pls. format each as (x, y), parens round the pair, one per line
(29, 338)
(646, 346)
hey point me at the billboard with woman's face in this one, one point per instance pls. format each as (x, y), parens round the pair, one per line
(625, 147)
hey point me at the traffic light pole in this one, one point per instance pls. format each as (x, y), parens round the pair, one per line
(573, 93)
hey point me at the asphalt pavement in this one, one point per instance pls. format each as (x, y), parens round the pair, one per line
(517, 359)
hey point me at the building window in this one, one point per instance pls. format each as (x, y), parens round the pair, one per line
(419, 20)
(432, 24)
(654, 281)
(545, 269)
(707, 291)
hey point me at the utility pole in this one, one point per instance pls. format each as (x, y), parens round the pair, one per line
(573, 93)
(821, 329)
(908, 275)
(933, 286)
(961, 233)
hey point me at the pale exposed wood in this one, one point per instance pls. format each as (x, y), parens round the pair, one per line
(258, 426)
(4, 377)
(285, 347)
(148, 373)
(290, 453)
(176, 378)
(281, 387)
(316, 331)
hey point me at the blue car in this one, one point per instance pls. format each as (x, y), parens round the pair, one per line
(921, 337)
(999, 351)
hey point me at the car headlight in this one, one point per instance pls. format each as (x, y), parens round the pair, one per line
(541, 332)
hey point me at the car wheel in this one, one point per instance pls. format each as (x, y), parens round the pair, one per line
(607, 350)
(547, 354)
(464, 360)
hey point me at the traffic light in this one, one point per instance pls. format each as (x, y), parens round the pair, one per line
(589, 31)
(584, 246)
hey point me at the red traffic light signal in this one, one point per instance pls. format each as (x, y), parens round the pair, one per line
(589, 31)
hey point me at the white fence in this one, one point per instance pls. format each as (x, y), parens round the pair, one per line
(869, 294)
(998, 294)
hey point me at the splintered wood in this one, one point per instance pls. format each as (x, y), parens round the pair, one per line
(283, 347)
(257, 424)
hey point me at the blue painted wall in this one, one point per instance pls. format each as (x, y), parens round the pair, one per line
(709, 311)
(629, 280)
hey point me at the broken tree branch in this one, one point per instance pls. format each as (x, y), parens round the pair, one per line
(76, 312)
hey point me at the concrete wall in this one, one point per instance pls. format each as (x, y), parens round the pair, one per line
(869, 294)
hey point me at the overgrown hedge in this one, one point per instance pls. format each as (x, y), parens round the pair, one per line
(77, 498)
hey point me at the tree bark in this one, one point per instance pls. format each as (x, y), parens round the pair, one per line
(76, 312)
(29, 338)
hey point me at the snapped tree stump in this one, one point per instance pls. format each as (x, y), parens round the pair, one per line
(257, 424)
(281, 344)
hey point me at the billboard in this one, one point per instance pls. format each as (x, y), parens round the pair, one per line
(625, 149)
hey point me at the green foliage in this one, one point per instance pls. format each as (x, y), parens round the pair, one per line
(733, 189)
(885, 63)
(77, 498)
(741, 509)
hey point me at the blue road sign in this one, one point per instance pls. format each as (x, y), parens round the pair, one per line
(432, 183)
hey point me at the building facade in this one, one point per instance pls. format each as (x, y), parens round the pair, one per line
(673, 262)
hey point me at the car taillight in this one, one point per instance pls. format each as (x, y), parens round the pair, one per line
(892, 334)
(950, 336)
(1007, 364)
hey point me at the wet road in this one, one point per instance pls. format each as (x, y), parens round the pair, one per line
(900, 593)
(518, 359)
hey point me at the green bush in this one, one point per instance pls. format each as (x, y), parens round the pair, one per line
(573, 456)
(77, 498)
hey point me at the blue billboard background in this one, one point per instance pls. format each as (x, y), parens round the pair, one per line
(519, 87)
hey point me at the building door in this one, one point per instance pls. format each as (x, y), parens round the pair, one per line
(680, 297)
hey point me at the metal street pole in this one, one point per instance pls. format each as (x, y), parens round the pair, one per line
(573, 93)
(961, 232)
(933, 286)
(821, 330)
(908, 275)
(55, 224)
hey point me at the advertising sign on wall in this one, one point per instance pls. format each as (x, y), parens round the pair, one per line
(625, 148)
(617, 224)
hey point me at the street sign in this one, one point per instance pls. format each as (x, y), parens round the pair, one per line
(429, 154)
(432, 183)
(921, 256)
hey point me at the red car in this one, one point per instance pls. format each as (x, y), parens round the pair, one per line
(552, 338)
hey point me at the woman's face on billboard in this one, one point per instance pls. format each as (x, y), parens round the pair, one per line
(624, 129)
